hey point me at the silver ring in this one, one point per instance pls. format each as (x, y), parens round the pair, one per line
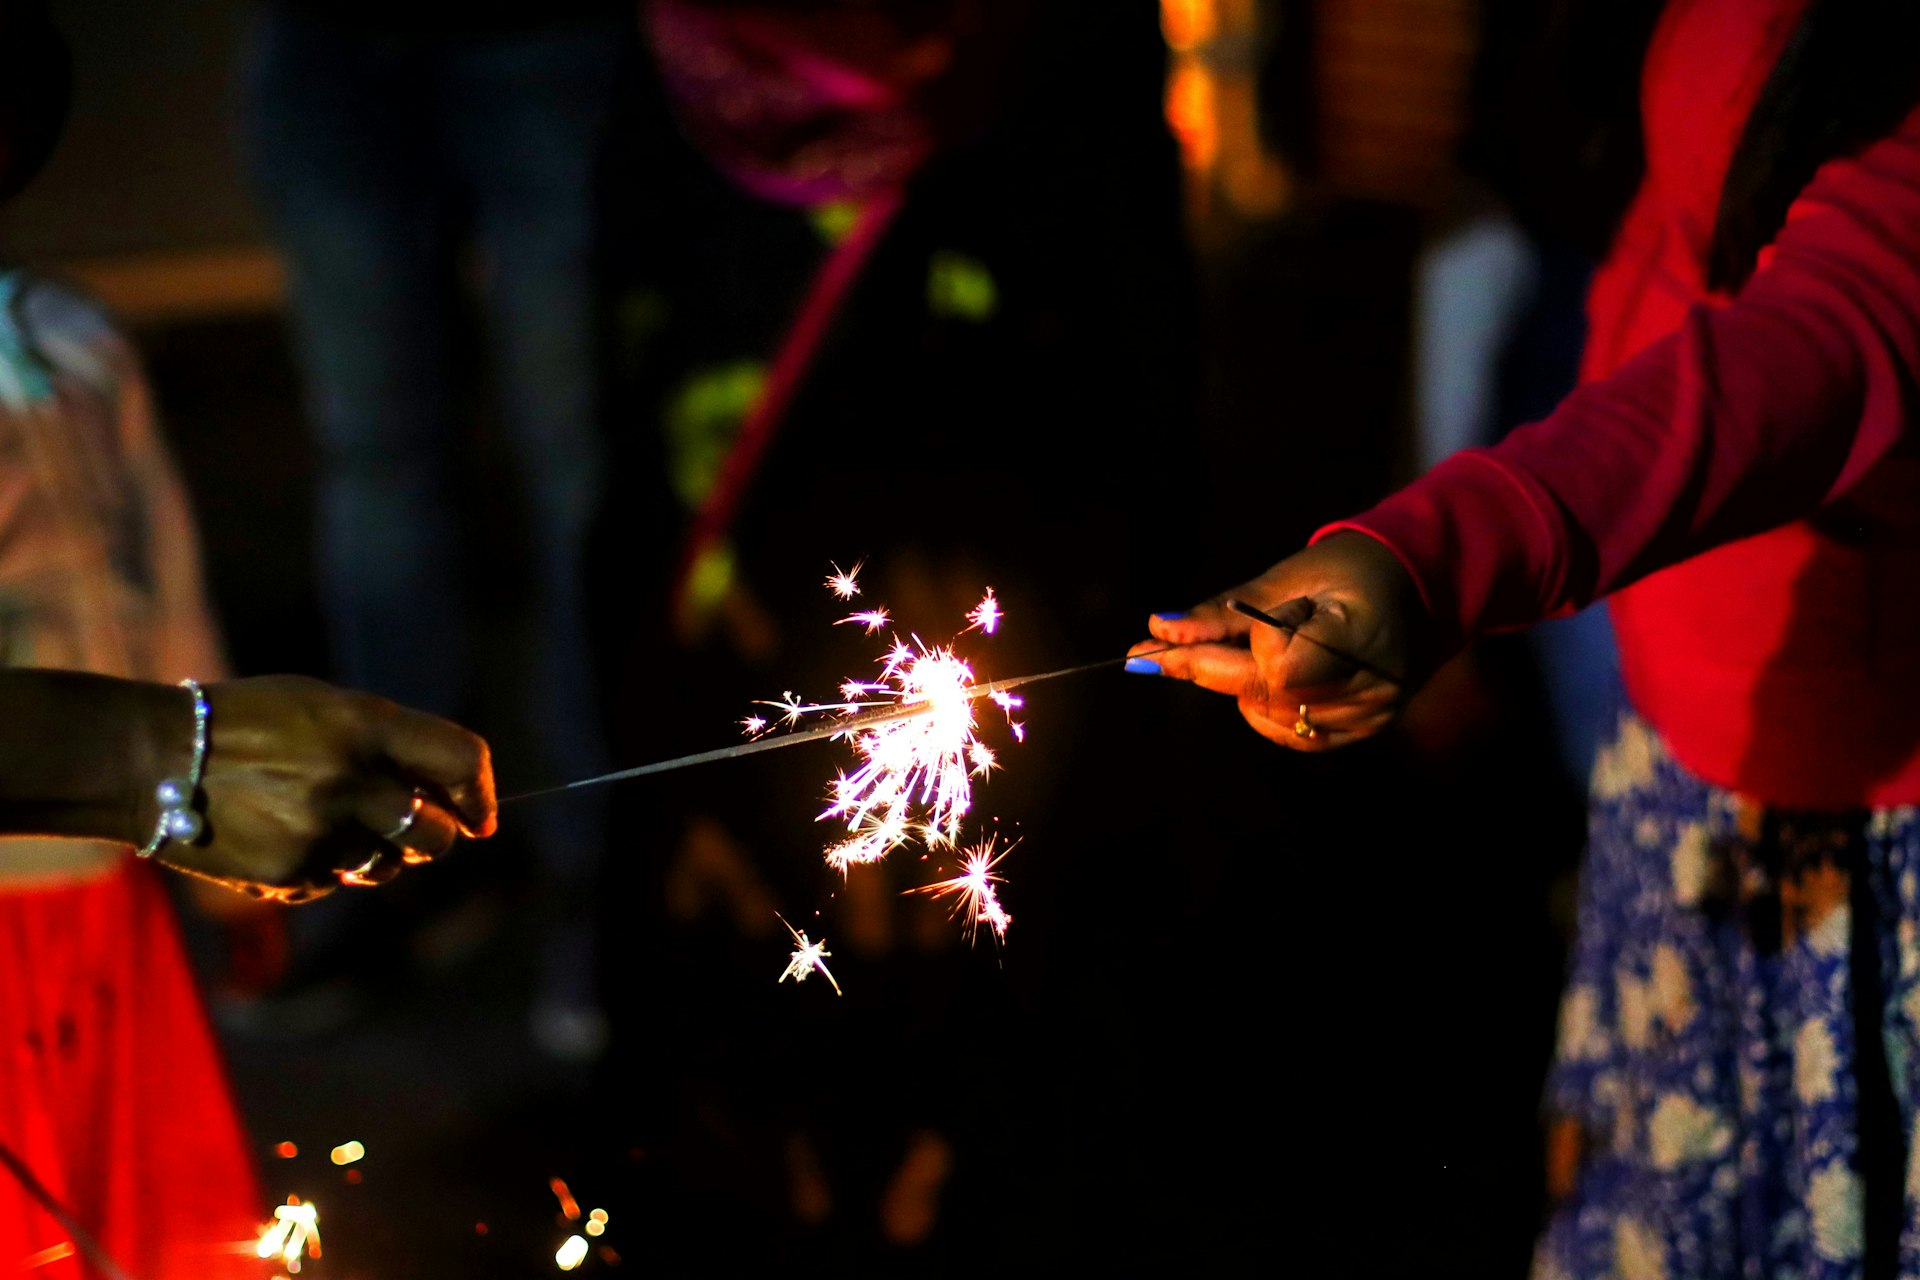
(357, 878)
(412, 815)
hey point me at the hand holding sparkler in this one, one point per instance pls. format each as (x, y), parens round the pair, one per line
(1321, 650)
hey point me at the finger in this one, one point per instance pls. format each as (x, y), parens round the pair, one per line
(405, 818)
(1222, 668)
(453, 763)
(1209, 622)
(1325, 736)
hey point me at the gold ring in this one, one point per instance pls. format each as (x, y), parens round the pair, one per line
(1303, 726)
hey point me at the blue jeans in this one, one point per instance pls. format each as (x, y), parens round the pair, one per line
(390, 169)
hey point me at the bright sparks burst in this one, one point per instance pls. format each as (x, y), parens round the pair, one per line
(293, 1233)
(986, 615)
(845, 583)
(807, 957)
(975, 899)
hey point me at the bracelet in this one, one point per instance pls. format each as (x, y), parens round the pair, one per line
(179, 818)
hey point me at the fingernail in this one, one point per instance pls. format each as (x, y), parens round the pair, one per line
(1171, 615)
(1143, 666)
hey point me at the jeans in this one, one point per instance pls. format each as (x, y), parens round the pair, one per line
(390, 168)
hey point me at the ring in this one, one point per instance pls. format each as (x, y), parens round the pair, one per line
(412, 815)
(357, 877)
(1303, 726)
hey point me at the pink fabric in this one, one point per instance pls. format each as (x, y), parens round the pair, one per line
(799, 109)
(1739, 473)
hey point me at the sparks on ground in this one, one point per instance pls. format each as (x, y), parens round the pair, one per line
(293, 1233)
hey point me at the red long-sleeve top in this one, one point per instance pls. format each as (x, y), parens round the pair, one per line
(1738, 474)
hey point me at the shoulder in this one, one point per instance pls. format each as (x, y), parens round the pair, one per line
(71, 331)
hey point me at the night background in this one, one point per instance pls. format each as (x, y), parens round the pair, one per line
(1127, 343)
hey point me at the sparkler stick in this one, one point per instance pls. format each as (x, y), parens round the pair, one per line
(851, 724)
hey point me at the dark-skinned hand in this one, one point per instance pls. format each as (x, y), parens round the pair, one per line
(306, 786)
(1358, 647)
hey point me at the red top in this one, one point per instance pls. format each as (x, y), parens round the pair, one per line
(1740, 473)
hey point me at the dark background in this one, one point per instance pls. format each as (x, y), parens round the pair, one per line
(1257, 1009)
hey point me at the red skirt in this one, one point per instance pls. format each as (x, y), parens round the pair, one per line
(113, 1094)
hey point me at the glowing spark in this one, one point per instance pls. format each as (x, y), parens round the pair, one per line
(986, 615)
(806, 958)
(975, 899)
(754, 726)
(571, 1254)
(568, 1205)
(845, 585)
(871, 620)
(285, 1150)
(295, 1230)
(347, 1153)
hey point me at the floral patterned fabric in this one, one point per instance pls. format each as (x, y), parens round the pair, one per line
(1733, 1090)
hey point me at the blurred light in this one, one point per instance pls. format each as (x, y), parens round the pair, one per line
(595, 1228)
(48, 1256)
(479, 1228)
(347, 1153)
(1187, 24)
(599, 1216)
(571, 1254)
(568, 1205)
(285, 1150)
(1192, 115)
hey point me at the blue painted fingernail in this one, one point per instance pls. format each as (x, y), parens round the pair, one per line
(1143, 666)
(1171, 615)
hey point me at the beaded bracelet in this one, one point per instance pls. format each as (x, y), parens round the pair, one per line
(179, 819)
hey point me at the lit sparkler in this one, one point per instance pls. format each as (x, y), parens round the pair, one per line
(293, 1233)
(807, 957)
(845, 583)
(975, 899)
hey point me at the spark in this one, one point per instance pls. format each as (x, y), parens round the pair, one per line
(975, 898)
(568, 1205)
(845, 584)
(571, 1254)
(806, 958)
(871, 620)
(986, 615)
(754, 726)
(294, 1231)
(347, 1153)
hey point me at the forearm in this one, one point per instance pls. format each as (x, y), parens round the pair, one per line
(80, 754)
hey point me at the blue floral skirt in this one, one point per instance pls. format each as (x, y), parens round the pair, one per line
(1734, 1088)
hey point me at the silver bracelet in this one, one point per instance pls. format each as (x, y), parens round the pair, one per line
(179, 797)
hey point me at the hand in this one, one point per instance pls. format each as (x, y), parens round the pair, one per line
(308, 786)
(1359, 647)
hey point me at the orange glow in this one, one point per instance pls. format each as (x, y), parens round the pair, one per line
(1188, 24)
(347, 1153)
(568, 1205)
(1193, 115)
(285, 1150)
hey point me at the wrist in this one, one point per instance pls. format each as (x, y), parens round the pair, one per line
(161, 737)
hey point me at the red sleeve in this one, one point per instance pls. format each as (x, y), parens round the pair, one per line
(1750, 415)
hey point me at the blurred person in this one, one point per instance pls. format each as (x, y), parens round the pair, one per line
(1735, 1087)
(409, 155)
(119, 1144)
(1549, 158)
